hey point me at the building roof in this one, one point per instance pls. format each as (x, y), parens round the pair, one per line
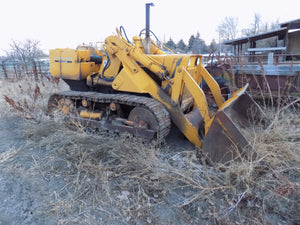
(280, 32)
(277, 32)
(293, 24)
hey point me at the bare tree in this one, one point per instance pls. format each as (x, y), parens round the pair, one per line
(27, 51)
(228, 28)
(265, 26)
(258, 26)
(255, 27)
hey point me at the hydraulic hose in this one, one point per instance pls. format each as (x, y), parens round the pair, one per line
(157, 39)
(122, 30)
(105, 68)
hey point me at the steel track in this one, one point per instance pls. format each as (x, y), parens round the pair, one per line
(158, 110)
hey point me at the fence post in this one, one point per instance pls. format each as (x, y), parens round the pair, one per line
(40, 68)
(270, 58)
(19, 71)
(4, 70)
(24, 68)
(35, 70)
(16, 72)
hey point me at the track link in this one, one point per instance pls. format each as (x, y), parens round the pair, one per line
(155, 107)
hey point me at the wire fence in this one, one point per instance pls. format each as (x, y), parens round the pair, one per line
(14, 70)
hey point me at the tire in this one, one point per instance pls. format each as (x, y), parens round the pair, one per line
(222, 84)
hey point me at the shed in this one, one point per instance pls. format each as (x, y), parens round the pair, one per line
(288, 40)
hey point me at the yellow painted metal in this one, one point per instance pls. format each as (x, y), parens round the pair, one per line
(83, 55)
(213, 86)
(55, 56)
(90, 115)
(113, 70)
(71, 64)
(167, 67)
(113, 106)
(84, 103)
(177, 86)
(234, 96)
(200, 100)
(169, 78)
(117, 46)
(66, 106)
(154, 48)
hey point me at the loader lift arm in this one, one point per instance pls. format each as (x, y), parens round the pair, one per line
(183, 74)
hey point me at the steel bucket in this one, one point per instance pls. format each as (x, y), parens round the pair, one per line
(225, 139)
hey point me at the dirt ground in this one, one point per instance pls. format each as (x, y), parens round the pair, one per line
(54, 173)
(35, 171)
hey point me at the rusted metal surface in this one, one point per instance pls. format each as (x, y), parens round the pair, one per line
(269, 74)
(226, 139)
(147, 134)
(275, 74)
(268, 68)
(275, 84)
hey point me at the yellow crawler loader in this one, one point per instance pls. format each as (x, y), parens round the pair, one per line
(137, 87)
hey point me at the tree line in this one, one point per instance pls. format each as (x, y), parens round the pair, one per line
(195, 45)
(227, 30)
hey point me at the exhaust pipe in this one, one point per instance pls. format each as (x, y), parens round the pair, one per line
(147, 39)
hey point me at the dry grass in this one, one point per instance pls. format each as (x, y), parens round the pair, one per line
(27, 97)
(106, 179)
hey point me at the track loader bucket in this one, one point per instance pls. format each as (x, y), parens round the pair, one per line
(225, 139)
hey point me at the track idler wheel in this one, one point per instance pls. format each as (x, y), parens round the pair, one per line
(67, 106)
(143, 119)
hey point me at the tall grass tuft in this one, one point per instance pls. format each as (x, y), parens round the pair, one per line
(27, 97)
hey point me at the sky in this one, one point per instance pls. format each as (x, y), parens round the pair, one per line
(67, 23)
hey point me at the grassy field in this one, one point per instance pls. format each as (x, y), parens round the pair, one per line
(54, 173)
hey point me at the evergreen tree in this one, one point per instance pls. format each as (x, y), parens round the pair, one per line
(171, 45)
(197, 45)
(213, 47)
(181, 46)
(191, 43)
